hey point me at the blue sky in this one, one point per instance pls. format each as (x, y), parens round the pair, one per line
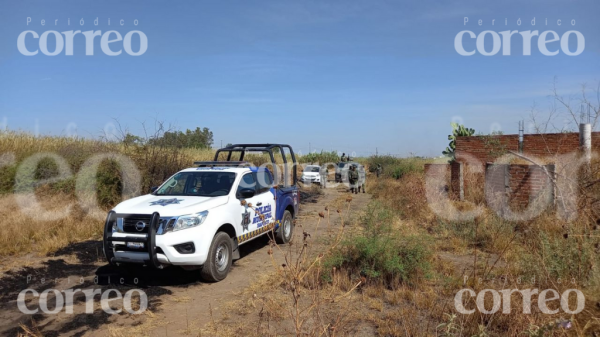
(347, 75)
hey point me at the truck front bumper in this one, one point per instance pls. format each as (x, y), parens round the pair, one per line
(158, 250)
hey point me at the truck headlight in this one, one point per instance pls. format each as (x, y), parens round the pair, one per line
(187, 221)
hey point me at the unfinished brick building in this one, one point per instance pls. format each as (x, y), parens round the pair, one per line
(476, 172)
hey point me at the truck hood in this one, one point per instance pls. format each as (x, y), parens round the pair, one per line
(167, 205)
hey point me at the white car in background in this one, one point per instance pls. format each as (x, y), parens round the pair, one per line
(311, 174)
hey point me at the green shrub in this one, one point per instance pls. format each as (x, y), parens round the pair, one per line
(396, 167)
(322, 157)
(385, 161)
(46, 169)
(109, 185)
(572, 258)
(382, 253)
(7, 179)
(37, 171)
(406, 166)
(66, 186)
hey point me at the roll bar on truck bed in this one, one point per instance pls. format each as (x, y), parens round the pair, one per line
(232, 152)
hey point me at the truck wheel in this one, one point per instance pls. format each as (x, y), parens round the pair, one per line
(286, 229)
(218, 262)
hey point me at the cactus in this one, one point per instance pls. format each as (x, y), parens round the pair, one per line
(457, 131)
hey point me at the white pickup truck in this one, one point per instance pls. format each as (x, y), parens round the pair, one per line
(198, 218)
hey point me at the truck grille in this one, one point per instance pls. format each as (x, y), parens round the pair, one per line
(130, 223)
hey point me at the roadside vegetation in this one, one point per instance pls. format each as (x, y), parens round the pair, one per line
(44, 170)
(395, 270)
(322, 157)
(48, 185)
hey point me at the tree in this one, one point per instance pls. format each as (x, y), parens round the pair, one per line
(198, 138)
(458, 130)
(566, 112)
(130, 139)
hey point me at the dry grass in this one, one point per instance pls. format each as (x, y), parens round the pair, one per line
(492, 249)
(53, 217)
(296, 299)
(489, 251)
(55, 223)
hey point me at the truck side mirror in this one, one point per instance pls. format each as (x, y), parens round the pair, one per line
(153, 189)
(246, 193)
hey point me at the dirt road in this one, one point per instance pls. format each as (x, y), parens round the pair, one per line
(177, 300)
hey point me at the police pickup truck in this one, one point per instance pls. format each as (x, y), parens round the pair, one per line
(199, 217)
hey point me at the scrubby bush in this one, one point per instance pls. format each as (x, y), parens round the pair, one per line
(383, 253)
(109, 180)
(46, 169)
(155, 164)
(406, 166)
(385, 161)
(321, 157)
(7, 179)
(561, 257)
(396, 167)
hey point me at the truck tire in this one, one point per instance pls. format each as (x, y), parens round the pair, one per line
(219, 258)
(286, 229)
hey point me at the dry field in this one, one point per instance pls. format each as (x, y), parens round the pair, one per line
(387, 266)
(343, 288)
(39, 204)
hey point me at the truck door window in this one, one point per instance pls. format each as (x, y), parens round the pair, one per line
(265, 182)
(246, 182)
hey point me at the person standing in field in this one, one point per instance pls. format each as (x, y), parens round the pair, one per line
(379, 170)
(353, 179)
(324, 172)
(362, 178)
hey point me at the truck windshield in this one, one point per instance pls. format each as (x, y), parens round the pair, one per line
(203, 184)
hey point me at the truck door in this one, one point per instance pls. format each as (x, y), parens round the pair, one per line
(263, 203)
(266, 199)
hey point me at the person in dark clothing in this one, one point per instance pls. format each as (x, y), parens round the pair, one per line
(353, 179)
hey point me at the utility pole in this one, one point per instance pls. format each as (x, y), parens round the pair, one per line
(521, 135)
(585, 135)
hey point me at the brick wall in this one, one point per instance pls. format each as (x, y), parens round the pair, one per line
(522, 184)
(495, 179)
(441, 171)
(483, 148)
(451, 176)
(488, 148)
(457, 180)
